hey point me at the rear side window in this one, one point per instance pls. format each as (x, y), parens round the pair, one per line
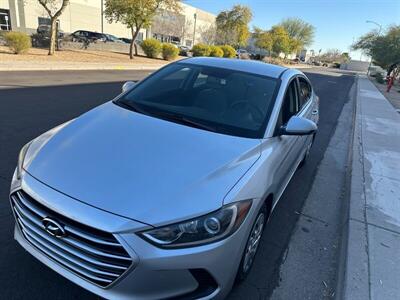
(304, 91)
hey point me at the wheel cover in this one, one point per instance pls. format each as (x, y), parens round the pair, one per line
(253, 242)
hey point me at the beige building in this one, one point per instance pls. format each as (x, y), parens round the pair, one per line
(27, 15)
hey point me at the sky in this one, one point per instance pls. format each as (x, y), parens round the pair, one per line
(338, 22)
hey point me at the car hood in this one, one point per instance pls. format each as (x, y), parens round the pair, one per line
(140, 167)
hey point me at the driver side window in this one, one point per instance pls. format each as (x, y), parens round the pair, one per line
(290, 104)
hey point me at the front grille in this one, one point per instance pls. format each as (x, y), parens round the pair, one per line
(94, 255)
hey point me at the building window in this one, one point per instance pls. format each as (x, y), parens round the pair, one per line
(44, 21)
(5, 22)
(139, 36)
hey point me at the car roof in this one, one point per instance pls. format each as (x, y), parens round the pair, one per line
(244, 65)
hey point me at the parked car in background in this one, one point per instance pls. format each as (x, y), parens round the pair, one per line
(44, 30)
(243, 54)
(184, 50)
(206, 147)
(113, 38)
(88, 36)
(42, 37)
(126, 40)
(374, 70)
(256, 56)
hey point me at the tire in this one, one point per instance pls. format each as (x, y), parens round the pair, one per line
(255, 235)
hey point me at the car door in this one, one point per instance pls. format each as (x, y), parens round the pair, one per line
(85, 35)
(288, 145)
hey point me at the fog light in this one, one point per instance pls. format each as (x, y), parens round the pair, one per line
(212, 225)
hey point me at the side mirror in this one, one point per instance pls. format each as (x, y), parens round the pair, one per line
(298, 126)
(127, 86)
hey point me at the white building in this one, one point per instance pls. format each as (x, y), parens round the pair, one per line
(27, 15)
(306, 55)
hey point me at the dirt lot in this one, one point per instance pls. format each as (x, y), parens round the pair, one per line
(37, 59)
(35, 54)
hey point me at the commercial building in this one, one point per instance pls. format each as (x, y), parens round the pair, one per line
(27, 15)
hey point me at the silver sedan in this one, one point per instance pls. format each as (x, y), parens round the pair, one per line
(164, 192)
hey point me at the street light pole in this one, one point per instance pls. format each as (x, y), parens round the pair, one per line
(102, 16)
(194, 29)
(379, 33)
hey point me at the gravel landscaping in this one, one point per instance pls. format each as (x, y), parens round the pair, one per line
(37, 59)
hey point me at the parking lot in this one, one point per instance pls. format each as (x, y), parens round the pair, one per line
(33, 102)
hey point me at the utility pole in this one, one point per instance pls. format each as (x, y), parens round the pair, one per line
(102, 16)
(194, 28)
(379, 33)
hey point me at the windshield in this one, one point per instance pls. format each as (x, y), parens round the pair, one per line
(112, 37)
(216, 99)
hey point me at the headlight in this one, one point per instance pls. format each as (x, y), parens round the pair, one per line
(202, 230)
(21, 158)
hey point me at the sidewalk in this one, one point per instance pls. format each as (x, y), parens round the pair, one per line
(372, 252)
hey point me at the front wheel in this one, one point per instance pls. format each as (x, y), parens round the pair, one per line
(252, 245)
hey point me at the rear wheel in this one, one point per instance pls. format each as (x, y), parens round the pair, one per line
(252, 244)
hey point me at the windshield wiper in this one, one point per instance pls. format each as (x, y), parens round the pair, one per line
(197, 124)
(165, 115)
(132, 106)
(185, 120)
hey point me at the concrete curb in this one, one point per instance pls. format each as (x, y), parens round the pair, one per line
(346, 202)
(353, 277)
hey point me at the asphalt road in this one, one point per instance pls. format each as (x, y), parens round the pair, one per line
(33, 102)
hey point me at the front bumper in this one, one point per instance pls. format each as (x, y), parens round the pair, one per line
(206, 271)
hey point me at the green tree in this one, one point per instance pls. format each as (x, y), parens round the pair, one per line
(366, 42)
(263, 39)
(54, 9)
(383, 49)
(299, 30)
(232, 26)
(295, 45)
(281, 40)
(137, 14)
(346, 57)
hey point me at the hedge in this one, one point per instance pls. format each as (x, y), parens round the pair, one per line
(216, 51)
(201, 50)
(151, 47)
(18, 42)
(229, 51)
(169, 51)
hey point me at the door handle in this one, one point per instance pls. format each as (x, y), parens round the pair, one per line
(314, 112)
